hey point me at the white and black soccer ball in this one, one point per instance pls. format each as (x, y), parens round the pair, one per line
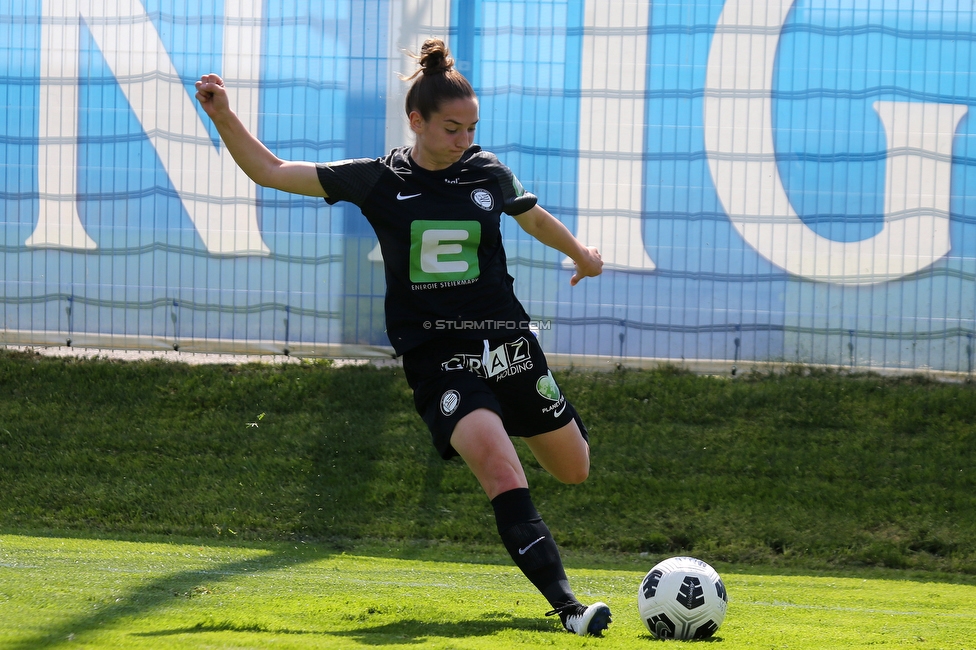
(682, 598)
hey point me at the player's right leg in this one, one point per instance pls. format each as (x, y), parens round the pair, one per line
(481, 440)
(462, 413)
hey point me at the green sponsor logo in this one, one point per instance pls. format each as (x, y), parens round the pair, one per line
(444, 251)
(547, 387)
(517, 186)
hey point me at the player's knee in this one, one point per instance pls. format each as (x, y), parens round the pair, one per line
(574, 475)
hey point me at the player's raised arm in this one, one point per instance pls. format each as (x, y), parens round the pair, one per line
(257, 161)
(539, 223)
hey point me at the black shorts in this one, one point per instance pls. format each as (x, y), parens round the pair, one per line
(451, 378)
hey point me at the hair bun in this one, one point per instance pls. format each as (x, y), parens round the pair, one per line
(435, 58)
(436, 80)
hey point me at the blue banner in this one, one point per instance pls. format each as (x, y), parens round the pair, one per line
(767, 180)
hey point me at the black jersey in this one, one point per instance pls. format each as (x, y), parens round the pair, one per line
(440, 234)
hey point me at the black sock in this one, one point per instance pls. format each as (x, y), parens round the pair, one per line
(529, 542)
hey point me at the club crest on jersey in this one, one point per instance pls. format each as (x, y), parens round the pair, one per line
(450, 400)
(483, 199)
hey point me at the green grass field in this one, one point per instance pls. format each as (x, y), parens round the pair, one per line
(111, 594)
(302, 506)
(82, 593)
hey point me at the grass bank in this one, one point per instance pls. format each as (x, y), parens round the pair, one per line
(798, 470)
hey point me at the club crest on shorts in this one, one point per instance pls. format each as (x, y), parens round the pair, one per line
(546, 386)
(482, 198)
(450, 401)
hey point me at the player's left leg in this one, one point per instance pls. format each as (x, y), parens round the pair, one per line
(536, 410)
(564, 453)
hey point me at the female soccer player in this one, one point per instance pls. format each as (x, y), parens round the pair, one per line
(477, 372)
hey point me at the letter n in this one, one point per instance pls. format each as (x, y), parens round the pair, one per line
(219, 198)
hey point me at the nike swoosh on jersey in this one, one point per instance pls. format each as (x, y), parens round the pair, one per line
(523, 551)
(404, 197)
(559, 412)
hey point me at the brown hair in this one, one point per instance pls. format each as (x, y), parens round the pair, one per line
(436, 81)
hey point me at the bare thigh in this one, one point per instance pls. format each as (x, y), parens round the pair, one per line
(481, 440)
(563, 453)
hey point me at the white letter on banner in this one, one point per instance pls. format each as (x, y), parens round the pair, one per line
(611, 135)
(219, 198)
(411, 22)
(742, 160)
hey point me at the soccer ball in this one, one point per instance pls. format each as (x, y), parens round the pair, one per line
(682, 598)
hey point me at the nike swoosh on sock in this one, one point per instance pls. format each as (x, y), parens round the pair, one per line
(523, 551)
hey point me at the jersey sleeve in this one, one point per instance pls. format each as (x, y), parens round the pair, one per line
(519, 201)
(349, 180)
(515, 200)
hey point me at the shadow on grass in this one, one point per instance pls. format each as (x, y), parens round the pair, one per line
(141, 601)
(158, 593)
(420, 631)
(400, 632)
